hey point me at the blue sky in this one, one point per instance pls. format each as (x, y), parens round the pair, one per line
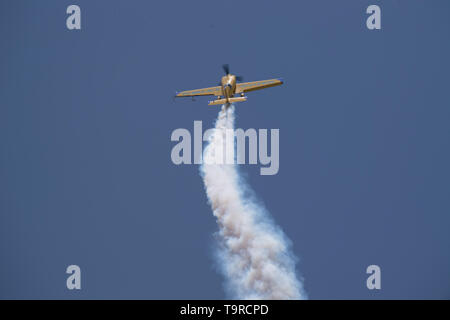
(86, 118)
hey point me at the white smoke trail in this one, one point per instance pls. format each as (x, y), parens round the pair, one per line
(254, 252)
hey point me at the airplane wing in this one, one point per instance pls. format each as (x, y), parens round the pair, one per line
(212, 91)
(256, 85)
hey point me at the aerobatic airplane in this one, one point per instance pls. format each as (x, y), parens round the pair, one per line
(228, 87)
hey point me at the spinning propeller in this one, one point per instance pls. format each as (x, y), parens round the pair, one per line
(226, 69)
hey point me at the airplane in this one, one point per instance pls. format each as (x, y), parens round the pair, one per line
(228, 87)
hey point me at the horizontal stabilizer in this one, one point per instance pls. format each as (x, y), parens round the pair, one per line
(230, 100)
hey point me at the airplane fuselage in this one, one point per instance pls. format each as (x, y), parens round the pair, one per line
(228, 86)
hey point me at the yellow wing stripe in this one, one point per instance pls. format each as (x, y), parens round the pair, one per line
(212, 91)
(256, 85)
